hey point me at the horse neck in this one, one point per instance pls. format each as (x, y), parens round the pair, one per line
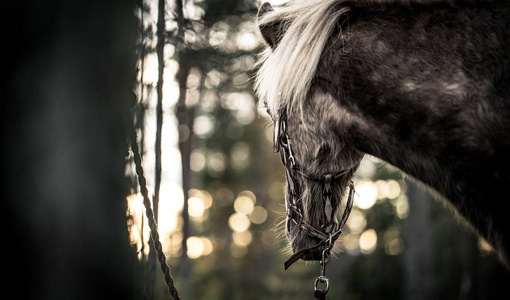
(414, 92)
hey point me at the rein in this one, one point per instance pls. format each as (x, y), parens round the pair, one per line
(329, 231)
(150, 216)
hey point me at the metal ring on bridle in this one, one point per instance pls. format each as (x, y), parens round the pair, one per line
(321, 279)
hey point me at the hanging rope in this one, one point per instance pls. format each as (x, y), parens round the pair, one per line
(150, 218)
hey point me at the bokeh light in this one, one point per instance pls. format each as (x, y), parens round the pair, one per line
(197, 161)
(243, 238)
(394, 247)
(198, 247)
(195, 246)
(258, 215)
(402, 207)
(239, 222)
(351, 243)
(368, 241)
(216, 163)
(244, 205)
(387, 189)
(356, 221)
(203, 126)
(203, 195)
(366, 194)
(240, 156)
(196, 207)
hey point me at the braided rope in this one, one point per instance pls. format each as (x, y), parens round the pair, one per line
(150, 217)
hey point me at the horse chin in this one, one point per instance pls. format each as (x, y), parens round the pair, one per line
(300, 241)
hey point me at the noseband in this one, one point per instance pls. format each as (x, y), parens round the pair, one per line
(328, 232)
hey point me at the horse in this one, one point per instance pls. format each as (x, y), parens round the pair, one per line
(422, 85)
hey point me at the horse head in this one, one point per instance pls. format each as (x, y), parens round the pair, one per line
(319, 165)
(319, 169)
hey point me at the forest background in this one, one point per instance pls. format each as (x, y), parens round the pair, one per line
(75, 223)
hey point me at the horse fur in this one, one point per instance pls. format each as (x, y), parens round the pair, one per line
(423, 86)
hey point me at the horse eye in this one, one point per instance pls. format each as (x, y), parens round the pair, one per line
(323, 150)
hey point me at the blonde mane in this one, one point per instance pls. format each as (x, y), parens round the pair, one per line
(285, 74)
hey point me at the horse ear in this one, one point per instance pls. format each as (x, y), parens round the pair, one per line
(267, 30)
(263, 9)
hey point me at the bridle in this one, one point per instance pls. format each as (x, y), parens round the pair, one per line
(328, 232)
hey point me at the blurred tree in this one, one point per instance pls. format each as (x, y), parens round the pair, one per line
(148, 263)
(185, 117)
(160, 46)
(208, 57)
(67, 94)
(417, 237)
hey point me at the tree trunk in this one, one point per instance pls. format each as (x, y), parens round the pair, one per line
(150, 261)
(67, 94)
(418, 254)
(185, 126)
(159, 108)
(185, 121)
(157, 147)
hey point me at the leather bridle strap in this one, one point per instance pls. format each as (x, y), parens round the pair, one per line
(308, 251)
(301, 253)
